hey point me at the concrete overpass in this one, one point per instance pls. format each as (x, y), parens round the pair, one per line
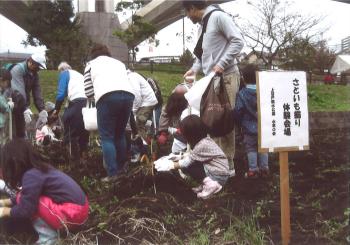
(99, 25)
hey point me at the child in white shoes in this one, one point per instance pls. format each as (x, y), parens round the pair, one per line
(206, 163)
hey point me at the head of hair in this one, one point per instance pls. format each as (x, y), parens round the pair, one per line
(63, 66)
(198, 4)
(18, 156)
(176, 104)
(6, 75)
(193, 129)
(248, 73)
(99, 50)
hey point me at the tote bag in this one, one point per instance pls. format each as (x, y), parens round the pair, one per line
(90, 116)
(215, 109)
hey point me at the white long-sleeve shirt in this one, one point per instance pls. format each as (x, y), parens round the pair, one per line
(103, 75)
(144, 94)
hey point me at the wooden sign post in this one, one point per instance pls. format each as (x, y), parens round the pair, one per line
(283, 126)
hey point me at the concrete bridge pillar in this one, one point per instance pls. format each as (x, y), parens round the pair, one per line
(99, 26)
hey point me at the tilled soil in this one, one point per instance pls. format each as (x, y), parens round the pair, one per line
(143, 207)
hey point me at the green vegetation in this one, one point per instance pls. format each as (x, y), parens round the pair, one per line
(329, 97)
(321, 97)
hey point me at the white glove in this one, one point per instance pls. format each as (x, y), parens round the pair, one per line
(11, 104)
(163, 164)
(28, 115)
(172, 130)
(43, 114)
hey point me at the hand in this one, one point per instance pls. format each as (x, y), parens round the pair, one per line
(162, 138)
(55, 113)
(5, 203)
(164, 165)
(11, 104)
(4, 212)
(189, 76)
(218, 70)
(28, 116)
(172, 130)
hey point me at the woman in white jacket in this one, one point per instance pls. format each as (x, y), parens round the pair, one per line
(106, 80)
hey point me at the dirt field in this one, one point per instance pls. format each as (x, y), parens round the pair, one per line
(144, 209)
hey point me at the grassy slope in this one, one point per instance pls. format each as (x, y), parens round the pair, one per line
(321, 97)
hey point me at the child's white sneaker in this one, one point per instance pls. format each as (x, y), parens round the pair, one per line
(210, 187)
(197, 189)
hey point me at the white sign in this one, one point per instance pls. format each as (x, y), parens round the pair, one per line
(283, 111)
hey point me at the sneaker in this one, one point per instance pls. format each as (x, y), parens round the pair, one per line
(210, 187)
(264, 173)
(135, 158)
(232, 173)
(109, 179)
(197, 189)
(252, 174)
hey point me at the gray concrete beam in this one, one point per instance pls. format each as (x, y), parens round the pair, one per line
(162, 13)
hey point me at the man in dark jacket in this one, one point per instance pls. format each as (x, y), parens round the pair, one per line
(25, 80)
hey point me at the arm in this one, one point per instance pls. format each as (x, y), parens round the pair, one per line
(62, 89)
(37, 96)
(228, 28)
(239, 109)
(32, 186)
(17, 82)
(89, 87)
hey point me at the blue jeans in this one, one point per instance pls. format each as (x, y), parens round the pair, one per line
(256, 160)
(113, 112)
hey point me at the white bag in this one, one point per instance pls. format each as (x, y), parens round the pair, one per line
(194, 95)
(90, 117)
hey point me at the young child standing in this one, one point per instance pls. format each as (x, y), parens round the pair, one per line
(206, 163)
(245, 113)
(52, 199)
(11, 100)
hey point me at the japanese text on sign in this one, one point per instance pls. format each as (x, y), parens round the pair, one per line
(283, 111)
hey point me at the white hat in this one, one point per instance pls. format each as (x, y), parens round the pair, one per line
(40, 59)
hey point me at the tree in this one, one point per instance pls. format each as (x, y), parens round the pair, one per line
(139, 29)
(51, 25)
(303, 54)
(298, 55)
(186, 58)
(324, 56)
(275, 27)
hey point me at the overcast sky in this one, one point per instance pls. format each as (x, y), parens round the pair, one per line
(338, 18)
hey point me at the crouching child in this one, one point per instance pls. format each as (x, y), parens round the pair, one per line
(47, 196)
(47, 130)
(206, 163)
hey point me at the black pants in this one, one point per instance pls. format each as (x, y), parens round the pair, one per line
(74, 130)
(18, 123)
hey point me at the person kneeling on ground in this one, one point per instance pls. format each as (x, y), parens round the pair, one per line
(206, 163)
(46, 130)
(52, 199)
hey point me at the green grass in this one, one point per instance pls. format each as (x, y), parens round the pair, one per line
(321, 97)
(329, 97)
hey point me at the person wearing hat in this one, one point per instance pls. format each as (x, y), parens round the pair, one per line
(25, 80)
